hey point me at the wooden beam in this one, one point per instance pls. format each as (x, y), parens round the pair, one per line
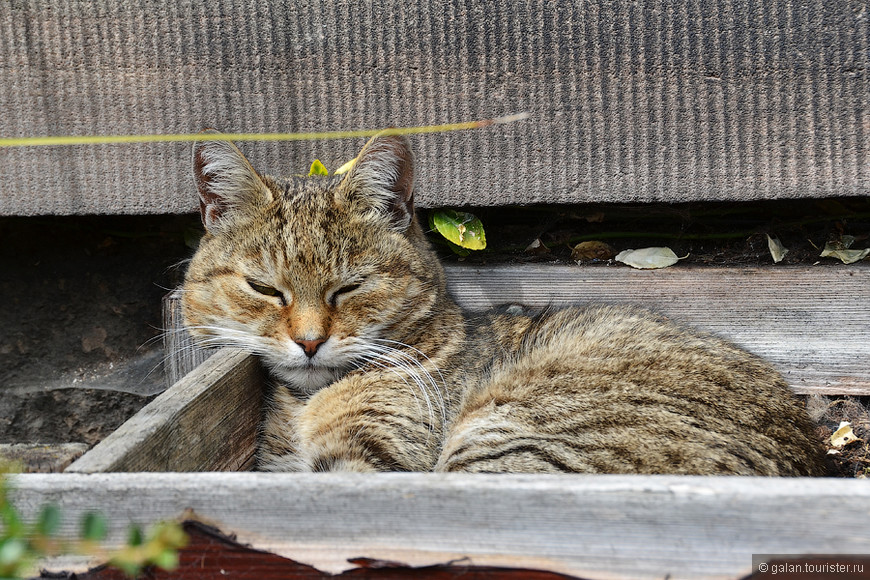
(605, 526)
(811, 322)
(207, 421)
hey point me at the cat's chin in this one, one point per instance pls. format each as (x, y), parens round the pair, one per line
(306, 380)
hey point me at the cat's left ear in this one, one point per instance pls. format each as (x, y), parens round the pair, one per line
(383, 179)
(226, 180)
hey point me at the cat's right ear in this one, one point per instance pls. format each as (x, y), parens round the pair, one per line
(226, 181)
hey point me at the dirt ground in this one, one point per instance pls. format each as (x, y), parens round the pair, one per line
(80, 327)
(80, 347)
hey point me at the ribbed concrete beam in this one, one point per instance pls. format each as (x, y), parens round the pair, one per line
(630, 101)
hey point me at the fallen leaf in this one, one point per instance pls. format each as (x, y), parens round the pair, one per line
(537, 248)
(595, 218)
(459, 227)
(777, 250)
(843, 435)
(536, 244)
(840, 249)
(592, 250)
(648, 258)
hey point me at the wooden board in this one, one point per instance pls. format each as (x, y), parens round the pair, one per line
(599, 527)
(209, 553)
(206, 421)
(186, 356)
(811, 322)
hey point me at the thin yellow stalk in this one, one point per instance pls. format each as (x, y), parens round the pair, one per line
(181, 137)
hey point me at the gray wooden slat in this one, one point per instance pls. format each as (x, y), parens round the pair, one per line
(811, 322)
(206, 421)
(591, 526)
(185, 355)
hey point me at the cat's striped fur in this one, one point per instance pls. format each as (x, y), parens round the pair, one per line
(332, 283)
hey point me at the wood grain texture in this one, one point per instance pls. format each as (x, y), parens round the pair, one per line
(184, 354)
(206, 421)
(603, 526)
(811, 322)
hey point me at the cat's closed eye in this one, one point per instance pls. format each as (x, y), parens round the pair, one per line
(267, 290)
(344, 290)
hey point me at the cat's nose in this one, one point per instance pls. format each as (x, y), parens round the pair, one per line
(310, 346)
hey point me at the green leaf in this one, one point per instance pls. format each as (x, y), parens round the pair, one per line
(12, 523)
(458, 250)
(94, 527)
(460, 228)
(12, 552)
(135, 537)
(129, 568)
(317, 168)
(49, 520)
(166, 559)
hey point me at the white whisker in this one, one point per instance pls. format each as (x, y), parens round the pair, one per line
(386, 356)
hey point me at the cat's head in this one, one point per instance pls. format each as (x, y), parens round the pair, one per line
(317, 275)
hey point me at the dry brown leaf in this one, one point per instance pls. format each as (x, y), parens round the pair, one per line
(537, 248)
(592, 250)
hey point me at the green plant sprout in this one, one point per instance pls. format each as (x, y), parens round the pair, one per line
(317, 169)
(22, 544)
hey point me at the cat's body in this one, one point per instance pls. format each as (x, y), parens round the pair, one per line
(332, 282)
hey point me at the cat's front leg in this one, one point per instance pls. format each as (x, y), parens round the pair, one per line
(378, 421)
(279, 447)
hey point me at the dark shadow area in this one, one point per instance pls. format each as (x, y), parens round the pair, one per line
(80, 346)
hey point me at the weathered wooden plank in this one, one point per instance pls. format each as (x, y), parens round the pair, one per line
(605, 526)
(206, 421)
(812, 322)
(185, 355)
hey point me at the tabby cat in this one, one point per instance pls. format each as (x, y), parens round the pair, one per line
(331, 281)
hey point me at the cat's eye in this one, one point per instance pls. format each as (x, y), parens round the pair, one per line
(266, 290)
(333, 299)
